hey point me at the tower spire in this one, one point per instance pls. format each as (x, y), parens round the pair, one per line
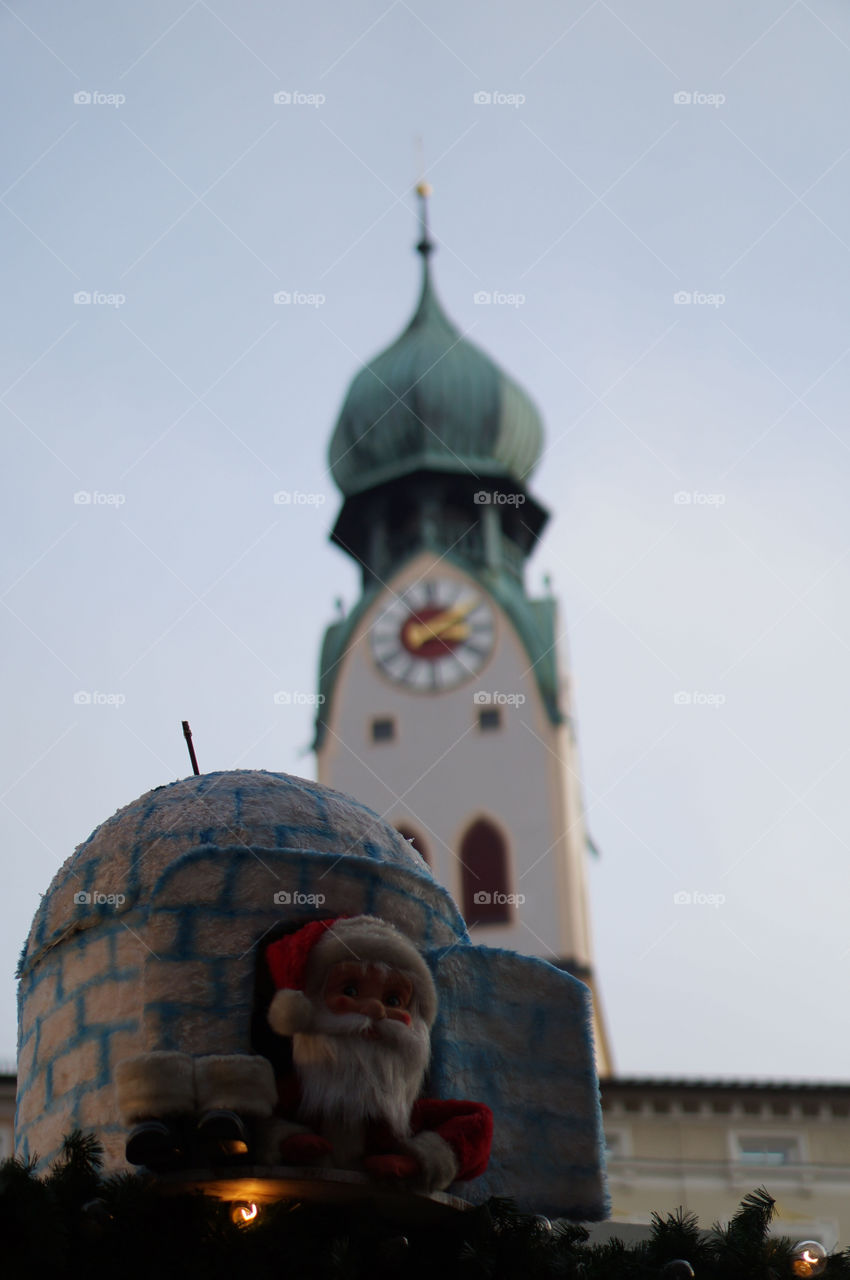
(426, 244)
(423, 190)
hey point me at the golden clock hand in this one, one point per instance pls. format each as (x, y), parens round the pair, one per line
(457, 631)
(418, 633)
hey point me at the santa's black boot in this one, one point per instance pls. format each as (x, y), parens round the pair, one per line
(155, 1145)
(154, 1092)
(235, 1092)
(223, 1136)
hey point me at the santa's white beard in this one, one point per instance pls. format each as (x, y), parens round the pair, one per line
(348, 1078)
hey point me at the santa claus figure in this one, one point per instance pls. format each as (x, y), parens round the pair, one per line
(359, 1002)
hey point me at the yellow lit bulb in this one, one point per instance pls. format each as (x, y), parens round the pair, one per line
(245, 1213)
(809, 1259)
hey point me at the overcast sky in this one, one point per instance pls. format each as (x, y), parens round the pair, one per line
(708, 636)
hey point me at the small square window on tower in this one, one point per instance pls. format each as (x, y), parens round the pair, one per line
(489, 718)
(383, 729)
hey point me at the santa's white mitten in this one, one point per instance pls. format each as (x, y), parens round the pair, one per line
(438, 1166)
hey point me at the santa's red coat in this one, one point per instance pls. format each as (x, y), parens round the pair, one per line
(467, 1127)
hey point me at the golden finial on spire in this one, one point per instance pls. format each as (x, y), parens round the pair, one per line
(423, 190)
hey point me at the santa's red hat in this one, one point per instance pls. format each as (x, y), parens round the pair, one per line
(300, 962)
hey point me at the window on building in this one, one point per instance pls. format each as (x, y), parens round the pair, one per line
(383, 729)
(489, 718)
(484, 875)
(767, 1149)
(413, 838)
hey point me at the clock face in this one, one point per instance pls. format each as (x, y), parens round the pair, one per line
(434, 636)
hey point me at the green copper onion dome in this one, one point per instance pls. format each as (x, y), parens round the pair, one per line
(433, 402)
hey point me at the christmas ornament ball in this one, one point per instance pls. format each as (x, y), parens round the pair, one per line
(809, 1259)
(677, 1269)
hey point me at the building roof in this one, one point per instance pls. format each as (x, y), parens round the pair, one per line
(433, 401)
(657, 1084)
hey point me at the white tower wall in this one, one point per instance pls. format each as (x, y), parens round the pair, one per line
(441, 771)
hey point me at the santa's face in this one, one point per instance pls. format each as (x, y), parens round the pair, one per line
(371, 990)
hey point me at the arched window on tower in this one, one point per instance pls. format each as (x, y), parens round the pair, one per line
(484, 872)
(412, 837)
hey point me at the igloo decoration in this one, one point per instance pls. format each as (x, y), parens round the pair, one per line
(147, 940)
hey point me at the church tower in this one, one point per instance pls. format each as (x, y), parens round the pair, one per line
(443, 706)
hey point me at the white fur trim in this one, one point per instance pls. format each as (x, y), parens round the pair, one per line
(289, 1012)
(368, 939)
(238, 1082)
(437, 1160)
(153, 1085)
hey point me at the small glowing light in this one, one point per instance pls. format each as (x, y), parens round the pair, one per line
(233, 1147)
(424, 189)
(809, 1258)
(244, 1213)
